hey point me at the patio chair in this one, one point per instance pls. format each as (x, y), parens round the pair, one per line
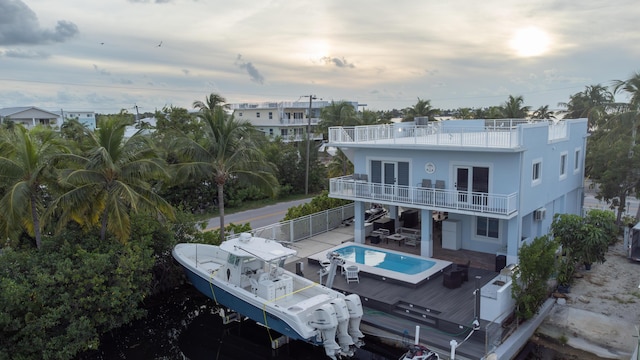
(452, 279)
(465, 270)
(351, 274)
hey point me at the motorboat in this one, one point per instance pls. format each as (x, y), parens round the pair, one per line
(374, 213)
(246, 274)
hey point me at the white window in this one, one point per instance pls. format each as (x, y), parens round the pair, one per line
(563, 165)
(487, 228)
(270, 115)
(576, 161)
(258, 114)
(536, 172)
(239, 114)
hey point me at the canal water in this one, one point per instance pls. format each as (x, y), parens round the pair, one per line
(184, 324)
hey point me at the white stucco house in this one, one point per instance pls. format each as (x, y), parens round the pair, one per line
(287, 119)
(500, 181)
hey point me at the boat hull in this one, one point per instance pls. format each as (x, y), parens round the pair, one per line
(256, 313)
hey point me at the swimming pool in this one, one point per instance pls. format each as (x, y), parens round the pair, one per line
(385, 260)
(386, 264)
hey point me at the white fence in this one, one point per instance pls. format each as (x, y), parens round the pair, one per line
(306, 226)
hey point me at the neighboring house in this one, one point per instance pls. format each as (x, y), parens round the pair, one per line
(500, 181)
(29, 116)
(286, 119)
(87, 118)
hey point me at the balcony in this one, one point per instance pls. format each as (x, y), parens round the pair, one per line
(473, 203)
(496, 134)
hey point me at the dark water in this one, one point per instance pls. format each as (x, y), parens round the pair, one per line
(184, 324)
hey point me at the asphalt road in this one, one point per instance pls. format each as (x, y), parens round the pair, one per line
(257, 218)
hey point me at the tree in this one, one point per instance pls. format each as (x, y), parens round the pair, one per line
(26, 159)
(340, 165)
(513, 108)
(229, 149)
(340, 113)
(592, 103)
(529, 286)
(543, 112)
(614, 157)
(421, 109)
(111, 180)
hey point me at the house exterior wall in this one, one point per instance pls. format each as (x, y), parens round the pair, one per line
(87, 118)
(508, 170)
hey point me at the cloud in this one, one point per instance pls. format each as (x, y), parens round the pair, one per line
(26, 54)
(19, 26)
(253, 72)
(148, 1)
(341, 63)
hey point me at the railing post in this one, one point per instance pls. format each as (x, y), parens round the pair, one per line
(291, 235)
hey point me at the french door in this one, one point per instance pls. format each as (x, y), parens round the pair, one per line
(472, 184)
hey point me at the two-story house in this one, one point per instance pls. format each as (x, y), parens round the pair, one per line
(286, 119)
(87, 118)
(500, 181)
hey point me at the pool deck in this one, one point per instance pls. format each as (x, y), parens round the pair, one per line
(411, 280)
(395, 309)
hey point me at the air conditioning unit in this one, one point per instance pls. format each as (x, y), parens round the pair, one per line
(539, 214)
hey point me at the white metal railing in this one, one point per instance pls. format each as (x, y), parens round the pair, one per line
(441, 199)
(495, 133)
(306, 226)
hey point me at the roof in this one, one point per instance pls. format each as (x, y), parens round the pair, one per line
(11, 111)
(246, 245)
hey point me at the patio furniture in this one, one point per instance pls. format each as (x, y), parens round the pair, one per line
(351, 274)
(397, 237)
(464, 268)
(452, 279)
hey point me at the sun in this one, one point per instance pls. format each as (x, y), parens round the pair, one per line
(530, 41)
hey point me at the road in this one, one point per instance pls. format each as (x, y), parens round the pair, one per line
(257, 218)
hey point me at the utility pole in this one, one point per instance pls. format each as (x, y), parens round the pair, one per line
(306, 175)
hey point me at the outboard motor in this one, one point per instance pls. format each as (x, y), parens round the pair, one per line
(342, 315)
(354, 305)
(325, 321)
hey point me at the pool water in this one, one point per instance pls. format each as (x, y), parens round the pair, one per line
(384, 260)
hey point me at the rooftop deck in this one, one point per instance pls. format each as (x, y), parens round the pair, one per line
(488, 134)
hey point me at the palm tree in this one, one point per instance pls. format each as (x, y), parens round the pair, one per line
(230, 149)
(340, 165)
(112, 180)
(340, 113)
(592, 103)
(513, 108)
(211, 102)
(420, 109)
(543, 112)
(26, 167)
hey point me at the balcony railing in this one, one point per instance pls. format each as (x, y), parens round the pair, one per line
(436, 199)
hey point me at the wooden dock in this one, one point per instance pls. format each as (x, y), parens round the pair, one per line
(443, 314)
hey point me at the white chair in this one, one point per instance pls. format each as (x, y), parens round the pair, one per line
(351, 274)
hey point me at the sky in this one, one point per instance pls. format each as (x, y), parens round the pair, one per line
(109, 55)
